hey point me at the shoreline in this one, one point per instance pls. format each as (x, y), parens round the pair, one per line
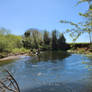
(16, 56)
(26, 54)
(12, 57)
(87, 53)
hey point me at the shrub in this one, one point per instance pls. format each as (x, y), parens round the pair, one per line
(19, 51)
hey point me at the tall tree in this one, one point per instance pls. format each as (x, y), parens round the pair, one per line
(32, 38)
(46, 38)
(54, 39)
(61, 42)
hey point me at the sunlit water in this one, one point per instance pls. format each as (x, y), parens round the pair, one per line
(51, 72)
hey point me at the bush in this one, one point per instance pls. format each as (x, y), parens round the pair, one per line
(20, 51)
(9, 41)
(34, 51)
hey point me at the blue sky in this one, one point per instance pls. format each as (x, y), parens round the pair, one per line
(20, 15)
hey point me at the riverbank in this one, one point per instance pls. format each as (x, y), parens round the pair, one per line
(13, 57)
(81, 51)
(8, 56)
(84, 51)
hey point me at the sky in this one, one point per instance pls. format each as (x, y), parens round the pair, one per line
(20, 15)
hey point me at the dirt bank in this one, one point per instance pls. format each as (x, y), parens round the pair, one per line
(12, 57)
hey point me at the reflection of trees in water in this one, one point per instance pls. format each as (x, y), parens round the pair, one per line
(6, 62)
(50, 55)
(88, 61)
(88, 64)
(9, 65)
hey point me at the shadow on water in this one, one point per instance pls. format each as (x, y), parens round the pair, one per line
(52, 56)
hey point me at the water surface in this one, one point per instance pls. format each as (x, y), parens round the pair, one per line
(51, 72)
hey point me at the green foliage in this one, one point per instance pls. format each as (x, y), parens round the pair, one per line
(76, 31)
(32, 39)
(81, 27)
(61, 42)
(46, 38)
(20, 50)
(61, 39)
(82, 50)
(3, 54)
(3, 43)
(13, 42)
(34, 51)
(9, 41)
(54, 39)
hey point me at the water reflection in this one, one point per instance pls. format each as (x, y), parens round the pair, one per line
(2, 63)
(52, 56)
(36, 73)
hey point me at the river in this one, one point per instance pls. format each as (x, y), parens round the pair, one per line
(51, 72)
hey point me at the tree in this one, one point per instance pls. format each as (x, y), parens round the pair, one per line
(46, 38)
(9, 41)
(32, 38)
(13, 41)
(3, 43)
(27, 34)
(62, 39)
(81, 27)
(88, 16)
(54, 39)
(61, 43)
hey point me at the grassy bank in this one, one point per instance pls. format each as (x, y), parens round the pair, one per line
(14, 52)
(81, 51)
(80, 48)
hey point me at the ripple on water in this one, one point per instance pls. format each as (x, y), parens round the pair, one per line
(53, 72)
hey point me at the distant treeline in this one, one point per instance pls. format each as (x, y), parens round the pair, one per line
(32, 39)
(44, 40)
